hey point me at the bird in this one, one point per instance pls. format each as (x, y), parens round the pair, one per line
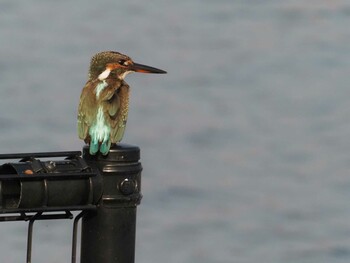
(104, 100)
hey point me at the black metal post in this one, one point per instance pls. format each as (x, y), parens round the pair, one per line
(108, 233)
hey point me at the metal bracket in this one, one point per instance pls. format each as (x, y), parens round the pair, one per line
(75, 235)
(38, 216)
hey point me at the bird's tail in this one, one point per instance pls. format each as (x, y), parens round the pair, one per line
(104, 147)
(93, 147)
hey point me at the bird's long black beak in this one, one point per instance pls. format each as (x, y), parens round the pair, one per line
(145, 69)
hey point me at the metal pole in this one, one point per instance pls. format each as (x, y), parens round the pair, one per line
(108, 233)
(30, 236)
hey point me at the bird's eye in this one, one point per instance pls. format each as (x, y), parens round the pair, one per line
(124, 62)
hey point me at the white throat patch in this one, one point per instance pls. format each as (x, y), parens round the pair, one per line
(104, 74)
(124, 74)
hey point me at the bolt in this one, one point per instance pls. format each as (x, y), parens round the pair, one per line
(127, 187)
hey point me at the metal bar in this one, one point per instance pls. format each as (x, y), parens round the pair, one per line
(40, 155)
(24, 217)
(1, 199)
(75, 235)
(47, 209)
(30, 236)
(47, 176)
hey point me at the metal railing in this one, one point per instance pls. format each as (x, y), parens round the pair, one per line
(106, 189)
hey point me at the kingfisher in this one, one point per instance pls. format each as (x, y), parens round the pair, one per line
(104, 101)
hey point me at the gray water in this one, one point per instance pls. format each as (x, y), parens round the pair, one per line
(245, 142)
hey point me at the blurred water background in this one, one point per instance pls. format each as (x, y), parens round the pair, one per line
(245, 142)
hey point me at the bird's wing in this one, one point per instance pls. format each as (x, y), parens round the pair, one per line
(115, 99)
(118, 112)
(86, 110)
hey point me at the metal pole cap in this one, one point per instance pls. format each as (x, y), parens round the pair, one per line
(118, 153)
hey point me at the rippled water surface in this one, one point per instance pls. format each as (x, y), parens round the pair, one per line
(245, 142)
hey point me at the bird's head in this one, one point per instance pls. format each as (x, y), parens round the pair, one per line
(116, 65)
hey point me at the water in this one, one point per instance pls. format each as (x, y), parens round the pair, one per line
(244, 142)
